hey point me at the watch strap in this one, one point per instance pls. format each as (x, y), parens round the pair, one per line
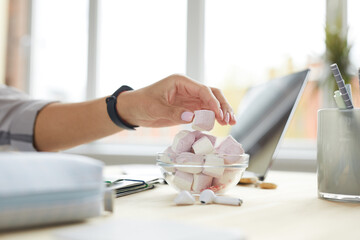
(112, 111)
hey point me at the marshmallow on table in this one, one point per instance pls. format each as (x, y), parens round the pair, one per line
(168, 156)
(199, 135)
(183, 141)
(183, 180)
(203, 146)
(204, 120)
(188, 158)
(230, 147)
(201, 182)
(213, 160)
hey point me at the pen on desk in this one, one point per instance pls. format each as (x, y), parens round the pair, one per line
(340, 82)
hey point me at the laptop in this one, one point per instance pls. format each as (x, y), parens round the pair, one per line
(263, 117)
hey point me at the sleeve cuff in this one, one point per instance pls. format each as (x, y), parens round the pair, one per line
(22, 128)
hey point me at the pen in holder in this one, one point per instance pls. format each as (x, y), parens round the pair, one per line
(338, 154)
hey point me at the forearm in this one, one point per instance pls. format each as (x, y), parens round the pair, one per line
(60, 125)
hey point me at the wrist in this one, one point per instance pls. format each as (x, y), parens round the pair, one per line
(124, 107)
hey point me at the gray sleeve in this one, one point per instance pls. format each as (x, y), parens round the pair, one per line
(17, 118)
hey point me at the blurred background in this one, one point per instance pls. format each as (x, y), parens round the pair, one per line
(76, 50)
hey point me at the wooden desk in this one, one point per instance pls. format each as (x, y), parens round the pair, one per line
(292, 211)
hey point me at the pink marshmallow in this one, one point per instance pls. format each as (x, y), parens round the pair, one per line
(204, 120)
(188, 158)
(201, 182)
(183, 181)
(183, 141)
(199, 135)
(230, 147)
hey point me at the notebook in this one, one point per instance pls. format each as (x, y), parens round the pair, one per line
(263, 117)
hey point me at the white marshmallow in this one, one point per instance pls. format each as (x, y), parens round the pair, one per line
(188, 158)
(213, 160)
(183, 141)
(203, 146)
(183, 180)
(201, 182)
(199, 135)
(204, 120)
(168, 156)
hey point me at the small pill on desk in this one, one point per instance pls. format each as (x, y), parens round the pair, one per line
(266, 185)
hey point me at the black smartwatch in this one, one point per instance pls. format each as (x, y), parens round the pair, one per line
(111, 109)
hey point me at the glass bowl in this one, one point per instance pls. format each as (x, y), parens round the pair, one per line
(195, 173)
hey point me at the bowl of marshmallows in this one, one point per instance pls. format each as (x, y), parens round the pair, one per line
(196, 161)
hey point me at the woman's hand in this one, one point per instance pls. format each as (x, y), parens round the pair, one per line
(172, 101)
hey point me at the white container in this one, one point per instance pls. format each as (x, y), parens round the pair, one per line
(338, 154)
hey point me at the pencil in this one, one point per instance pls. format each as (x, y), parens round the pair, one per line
(341, 84)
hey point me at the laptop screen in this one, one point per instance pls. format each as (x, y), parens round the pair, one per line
(263, 117)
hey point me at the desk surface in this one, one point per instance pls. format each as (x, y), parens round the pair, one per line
(292, 211)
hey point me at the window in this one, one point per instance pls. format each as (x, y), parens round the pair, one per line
(246, 44)
(59, 50)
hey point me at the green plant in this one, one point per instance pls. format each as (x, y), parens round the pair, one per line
(337, 51)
